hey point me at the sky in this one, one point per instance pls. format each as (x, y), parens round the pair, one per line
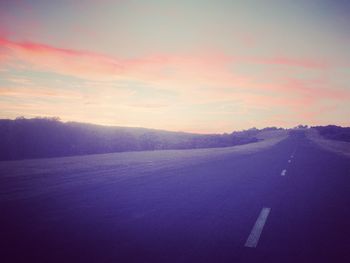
(186, 65)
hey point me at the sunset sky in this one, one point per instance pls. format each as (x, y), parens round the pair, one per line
(197, 66)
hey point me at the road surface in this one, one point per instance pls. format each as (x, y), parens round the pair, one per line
(288, 203)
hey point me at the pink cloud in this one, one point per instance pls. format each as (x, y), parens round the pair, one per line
(316, 89)
(91, 65)
(86, 64)
(64, 61)
(200, 78)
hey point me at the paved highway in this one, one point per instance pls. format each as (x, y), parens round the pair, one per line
(288, 203)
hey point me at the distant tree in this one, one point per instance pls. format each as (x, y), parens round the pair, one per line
(300, 126)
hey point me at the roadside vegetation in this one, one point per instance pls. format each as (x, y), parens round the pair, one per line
(49, 137)
(333, 132)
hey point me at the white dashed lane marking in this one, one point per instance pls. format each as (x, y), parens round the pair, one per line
(292, 156)
(253, 238)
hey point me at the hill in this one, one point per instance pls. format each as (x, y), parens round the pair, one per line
(49, 137)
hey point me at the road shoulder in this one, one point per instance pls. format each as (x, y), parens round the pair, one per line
(339, 147)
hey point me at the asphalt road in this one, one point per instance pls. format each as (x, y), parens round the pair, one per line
(236, 208)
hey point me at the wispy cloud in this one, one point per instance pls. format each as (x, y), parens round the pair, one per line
(94, 65)
(64, 61)
(196, 79)
(43, 92)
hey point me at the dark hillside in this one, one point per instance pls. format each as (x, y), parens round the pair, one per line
(49, 137)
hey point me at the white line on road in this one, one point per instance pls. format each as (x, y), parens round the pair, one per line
(253, 238)
(293, 153)
(283, 173)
